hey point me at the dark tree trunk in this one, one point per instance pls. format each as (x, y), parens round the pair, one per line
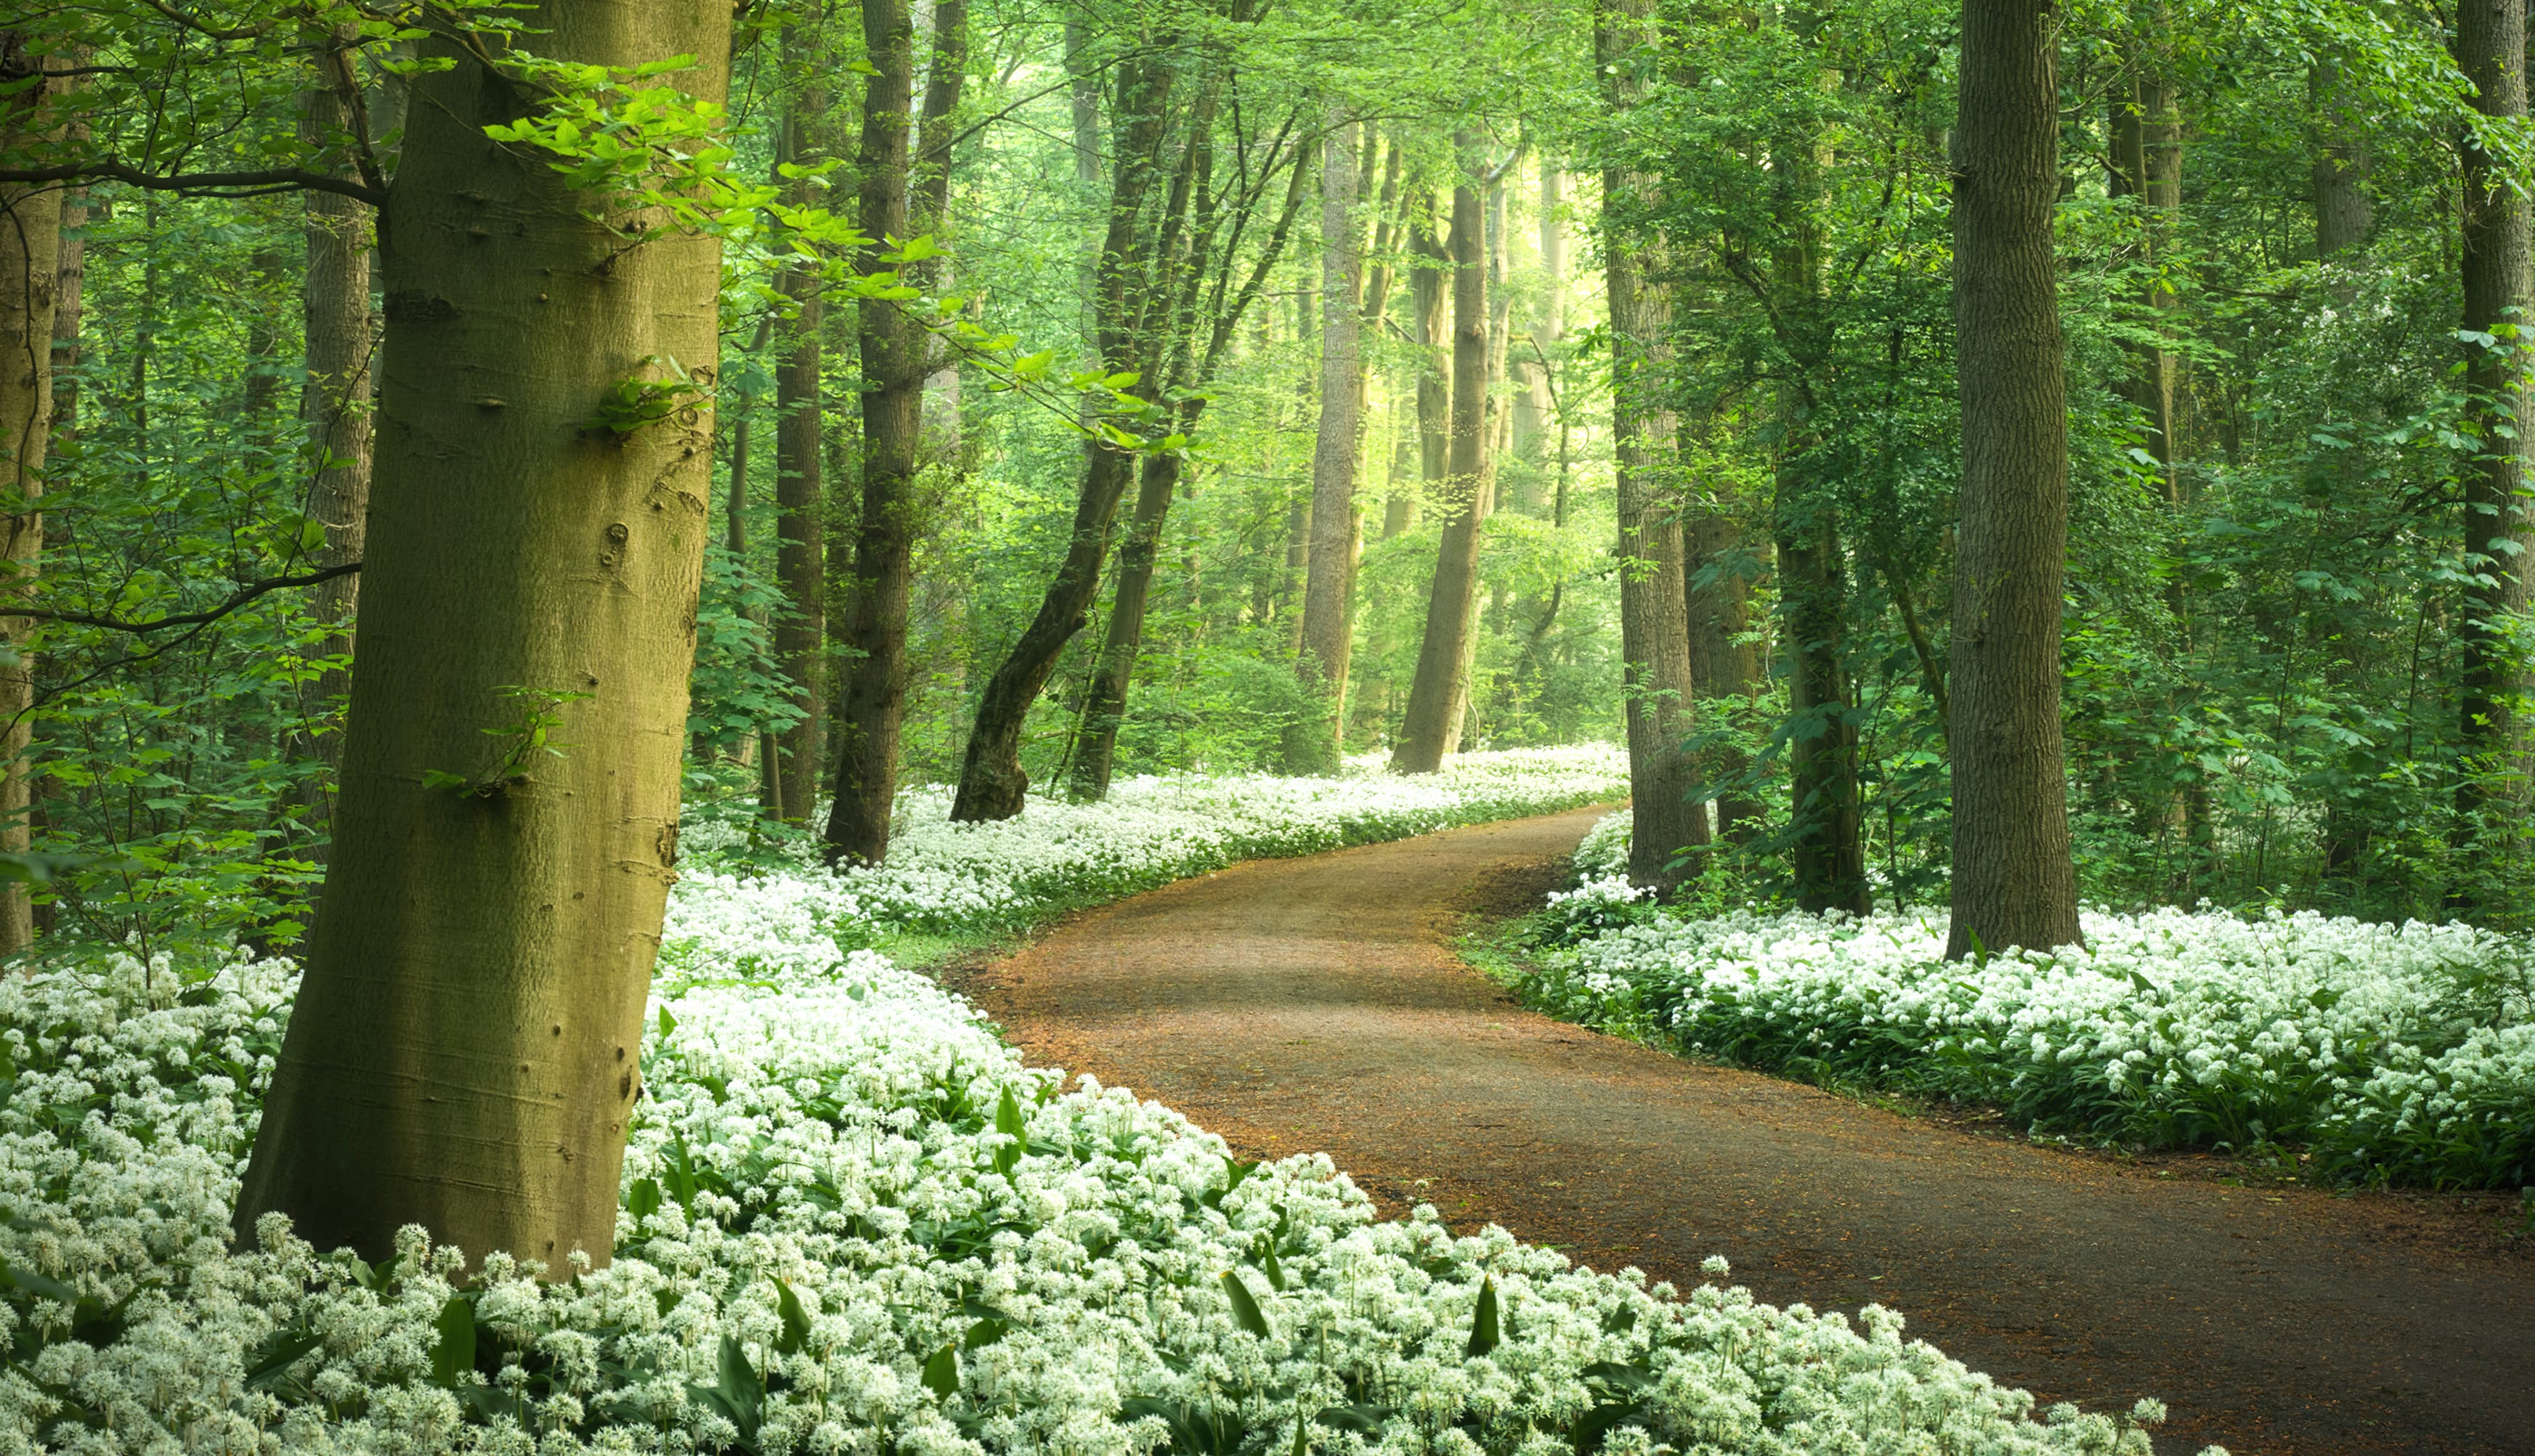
(1436, 695)
(893, 353)
(2344, 214)
(2499, 294)
(30, 235)
(1825, 806)
(1724, 665)
(800, 488)
(2013, 882)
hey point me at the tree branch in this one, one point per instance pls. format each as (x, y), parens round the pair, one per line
(240, 598)
(216, 184)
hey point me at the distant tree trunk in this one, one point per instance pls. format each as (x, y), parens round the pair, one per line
(2499, 300)
(1659, 690)
(1330, 563)
(2015, 883)
(1549, 324)
(1434, 388)
(992, 782)
(1499, 331)
(334, 409)
(2344, 214)
(1724, 666)
(2147, 165)
(68, 295)
(30, 236)
(1439, 693)
(465, 1047)
(1826, 807)
(894, 352)
(800, 486)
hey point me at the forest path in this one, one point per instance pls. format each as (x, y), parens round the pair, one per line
(1312, 1004)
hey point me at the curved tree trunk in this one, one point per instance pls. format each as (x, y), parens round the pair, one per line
(1438, 695)
(1329, 563)
(2013, 882)
(30, 235)
(464, 1050)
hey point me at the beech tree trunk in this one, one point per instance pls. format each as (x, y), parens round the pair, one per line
(894, 355)
(30, 235)
(335, 407)
(1330, 563)
(2499, 300)
(1427, 291)
(2015, 883)
(1438, 695)
(800, 487)
(1665, 818)
(464, 1050)
(2344, 214)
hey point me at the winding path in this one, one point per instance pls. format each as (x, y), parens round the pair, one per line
(1302, 1005)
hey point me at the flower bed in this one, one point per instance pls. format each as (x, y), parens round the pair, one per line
(2390, 1052)
(854, 1223)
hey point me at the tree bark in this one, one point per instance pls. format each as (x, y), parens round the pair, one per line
(1439, 693)
(1666, 820)
(2015, 883)
(1724, 665)
(1434, 386)
(2147, 165)
(800, 487)
(894, 352)
(30, 236)
(1549, 324)
(464, 1049)
(1330, 563)
(2499, 301)
(2344, 214)
(334, 409)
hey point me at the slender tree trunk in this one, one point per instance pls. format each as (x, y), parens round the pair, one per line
(893, 354)
(1439, 693)
(2499, 300)
(1666, 820)
(334, 409)
(1826, 809)
(464, 1050)
(1724, 664)
(2147, 165)
(1427, 289)
(2344, 213)
(1549, 324)
(1329, 586)
(992, 782)
(1499, 331)
(30, 236)
(2015, 883)
(800, 485)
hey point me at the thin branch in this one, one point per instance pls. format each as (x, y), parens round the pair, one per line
(216, 184)
(240, 598)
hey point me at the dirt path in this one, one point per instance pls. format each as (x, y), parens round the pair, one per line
(1306, 1005)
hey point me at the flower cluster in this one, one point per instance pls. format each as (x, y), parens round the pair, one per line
(2398, 1052)
(853, 1224)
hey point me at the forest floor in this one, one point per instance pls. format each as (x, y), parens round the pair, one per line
(1315, 1004)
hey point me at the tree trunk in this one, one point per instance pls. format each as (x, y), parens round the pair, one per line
(1434, 388)
(800, 488)
(2147, 165)
(30, 236)
(2013, 882)
(2344, 214)
(992, 782)
(335, 412)
(894, 352)
(2499, 300)
(1724, 665)
(1329, 565)
(1439, 693)
(464, 1049)
(1549, 324)
(1666, 820)
(1826, 811)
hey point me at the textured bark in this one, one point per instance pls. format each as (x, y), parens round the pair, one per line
(2498, 298)
(1439, 693)
(334, 409)
(893, 358)
(1724, 665)
(1826, 804)
(1330, 565)
(464, 1050)
(2013, 882)
(1499, 331)
(992, 782)
(2344, 214)
(800, 486)
(1660, 702)
(1428, 293)
(30, 235)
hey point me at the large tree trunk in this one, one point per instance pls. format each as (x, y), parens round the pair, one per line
(1439, 693)
(2499, 294)
(2344, 214)
(334, 410)
(2013, 882)
(30, 235)
(465, 1046)
(800, 486)
(893, 354)
(1330, 563)
(992, 783)
(1666, 820)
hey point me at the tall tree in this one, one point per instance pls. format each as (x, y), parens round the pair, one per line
(30, 235)
(1666, 818)
(1436, 695)
(1329, 586)
(1429, 296)
(2344, 213)
(2014, 882)
(464, 1049)
(900, 203)
(800, 487)
(1549, 321)
(2498, 305)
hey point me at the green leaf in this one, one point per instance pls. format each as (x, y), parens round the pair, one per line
(1008, 1121)
(283, 1351)
(669, 1024)
(740, 1384)
(796, 1319)
(1363, 1419)
(1483, 1324)
(1245, 1306)
(644, 1198)
(942, 1372)
(454, 1353)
